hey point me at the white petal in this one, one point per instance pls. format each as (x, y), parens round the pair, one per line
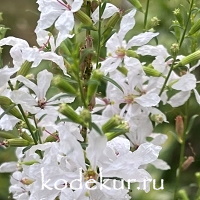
(56, 59)
(158, 139)
(141, 39)
(161, 164)
(159, 50)
(110, 10)
(187, 82)
(127, 23)
(8, 167)
(12, 41)
(5, 74)
(7, 122)
(76, 5)
(179, 99)
(28, 84)
(97, 143)
(197, 96)
(64, 25)
(148, 100)
(43, 82)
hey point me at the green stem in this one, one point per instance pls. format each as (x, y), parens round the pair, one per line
(168, 76)
(182, 152)
(24, 116)
(188, 19)
(99, 37)
(146, 15)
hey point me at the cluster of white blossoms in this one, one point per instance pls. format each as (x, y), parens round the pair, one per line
(74, 143)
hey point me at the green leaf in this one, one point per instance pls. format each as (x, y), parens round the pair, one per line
(96, 128)
(106, 78)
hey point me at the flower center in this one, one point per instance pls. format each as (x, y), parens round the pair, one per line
(129, 99)
(120, 52)
(42, 103)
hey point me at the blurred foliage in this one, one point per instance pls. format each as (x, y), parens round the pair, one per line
(21, 17)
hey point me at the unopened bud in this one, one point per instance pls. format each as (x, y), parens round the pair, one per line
(178, 16)
(112, 123)
(31, 162)
(93, 84)
(179, 127)
(7, 135)
(85, 19)
(25, 68)
(197, 174)
(187, 162)
(110, 24)
(63, 85)
(8, 106)
(69, 112)
(26, 136)
(158, 118)
(188, 59)
(154, 22)
(195, 28)
(52, 138)
(123, 70)
(151, 71)
(137, 4)
(17, 142)
(131, 53)
(119, 130)
(85, 115)
(174, 48)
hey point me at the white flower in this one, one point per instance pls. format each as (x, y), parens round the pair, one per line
(38, 104)
(117, 46)
(60, 13)
(21, 52)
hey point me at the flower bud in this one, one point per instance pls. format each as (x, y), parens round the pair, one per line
(174, 48)
(188, 59)
(7, 135)
(93, 84)
(25, 68)
(137, 4)
(119, 130)
(85, 19)
(85, 115)
(63, 85)
(158, 118)
(123, 70)
(111, 123)
(179, 127)
(52, 138)
(151, 71)
(131, 53)
(30, 162)
(17, 142)
(178, 16)
(8, 106)
(195, 28)
(197, 174)
(69, 112)
(154, 22)
(110, 24)
(26, 136)
(187, 162)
